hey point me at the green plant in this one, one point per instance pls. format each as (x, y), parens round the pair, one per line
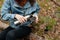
(48, 20)
(50, 23)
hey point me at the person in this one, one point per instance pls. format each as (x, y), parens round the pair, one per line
(17, 9)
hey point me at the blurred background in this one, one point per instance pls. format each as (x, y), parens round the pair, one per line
(48, 27)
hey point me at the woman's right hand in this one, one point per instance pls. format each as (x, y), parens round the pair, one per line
(20, 18)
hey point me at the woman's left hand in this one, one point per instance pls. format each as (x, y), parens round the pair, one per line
(36, 18)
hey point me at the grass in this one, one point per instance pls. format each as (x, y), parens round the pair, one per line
(49, 21)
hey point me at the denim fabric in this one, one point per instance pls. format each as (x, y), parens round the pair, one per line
(10, 8)
(12, 34)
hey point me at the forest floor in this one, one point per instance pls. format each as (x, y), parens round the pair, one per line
(48, 27)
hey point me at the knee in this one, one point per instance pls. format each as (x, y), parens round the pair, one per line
(10, 35)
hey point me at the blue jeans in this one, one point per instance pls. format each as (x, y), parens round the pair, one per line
(13, 34)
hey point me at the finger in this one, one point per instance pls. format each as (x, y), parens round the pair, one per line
(36, 20)
(21, 20)
(25, 19)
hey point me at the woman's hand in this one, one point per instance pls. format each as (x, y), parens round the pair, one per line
(36, 18)
(20, 18)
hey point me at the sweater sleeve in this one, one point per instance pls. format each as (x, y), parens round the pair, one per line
(37, 9)
(5, 11)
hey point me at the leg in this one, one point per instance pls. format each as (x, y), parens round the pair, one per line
(10, 35)
(18, 33)
(4, 32)
(23, 31)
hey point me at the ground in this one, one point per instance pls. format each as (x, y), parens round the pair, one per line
(48, 27)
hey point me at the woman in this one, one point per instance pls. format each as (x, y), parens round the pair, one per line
(17, 9)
